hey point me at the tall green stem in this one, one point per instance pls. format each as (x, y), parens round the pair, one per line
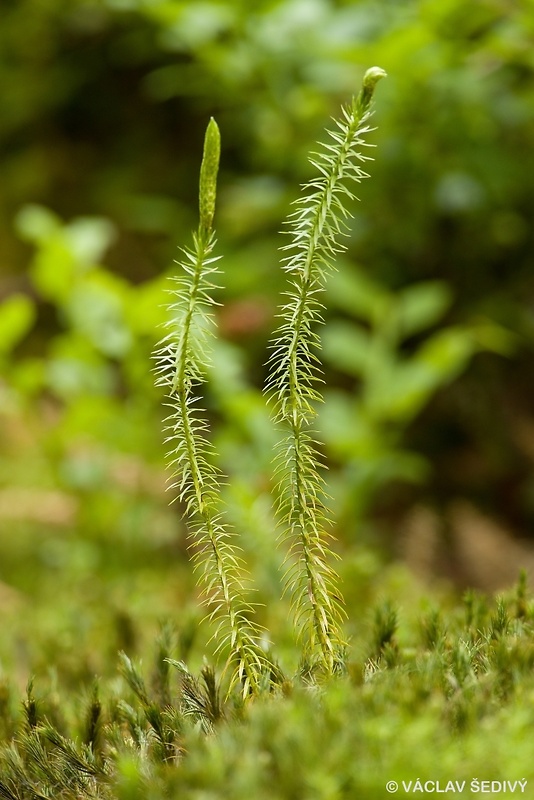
(182, 359)
(315, 228)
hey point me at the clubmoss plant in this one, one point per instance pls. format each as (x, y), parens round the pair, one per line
(182, 358)
(316, 227)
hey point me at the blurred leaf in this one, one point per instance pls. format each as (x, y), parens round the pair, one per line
(350, 290)
(199, 23)
(63, 251)
(145, 310)
(458, 192)
(446, 353)
(495, 338)
(53, 269)
(96, 308)
(35, 223)
(409, 387)
(422, 305)
(89, 238)
(247, 438)
(345, 427)
(17, 315)
(370, 453)
(28, 376)
(74, 369)
(347, 347)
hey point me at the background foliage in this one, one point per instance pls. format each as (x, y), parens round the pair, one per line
(429, 341)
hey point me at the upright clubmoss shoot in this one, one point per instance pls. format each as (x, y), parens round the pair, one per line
(315, 227)
(182, 359)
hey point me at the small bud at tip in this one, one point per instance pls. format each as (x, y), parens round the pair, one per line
(370, 79)
(208, 175)
(372, 76)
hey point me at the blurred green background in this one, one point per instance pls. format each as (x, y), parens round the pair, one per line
(427, 425)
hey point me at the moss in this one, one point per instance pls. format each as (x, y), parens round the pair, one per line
(455, 704)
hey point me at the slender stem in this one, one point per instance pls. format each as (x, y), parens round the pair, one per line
(183, 361)
(316, 225)
(241, 643)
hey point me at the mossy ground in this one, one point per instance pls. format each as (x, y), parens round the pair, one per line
(438, 693)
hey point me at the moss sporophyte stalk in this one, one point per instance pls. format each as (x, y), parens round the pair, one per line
(315, 228)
